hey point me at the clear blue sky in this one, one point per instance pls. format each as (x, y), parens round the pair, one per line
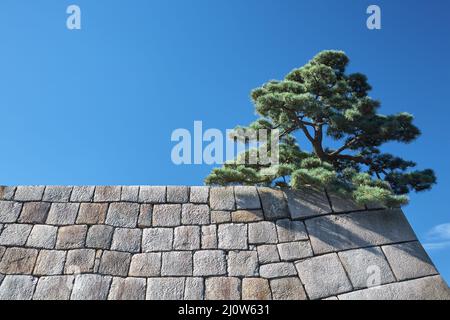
(98, 106)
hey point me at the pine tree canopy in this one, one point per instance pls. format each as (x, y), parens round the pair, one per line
(328, 106)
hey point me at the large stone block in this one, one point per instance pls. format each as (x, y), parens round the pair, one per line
(157, 239)
(342, 204)
(50, 262)
(409, 260)
(233, 236)
(99, 236)
(129, 194)
(247, 197)
(107, 193)
(127, 289)
(71, 237)
(145, 216)
(274, 203)
(42, 236)
(165, 288)
(79, 261)
(177, 194)
(34, 212)
(17, 287)
(222, 198)
(92, 213)
(220, 216)
(209, 237)
(57, 193)
(82, 194)
(223, 288)
(115, 263)
(364, 265)
(91, 287)
(9, 211)
(29, 193)
(247, 216)
(127, 240)
(7, 192)
(199, 195)
(187, 238)
(166, 215)
(429, 288)
(209, 263)
(194, 289)
(291, 251)
(123, 214)
(323, 276)
(18, 261)
(277, 270)
(62, 214)
(289, 230)
(195, 214)
(243, 263)
(54, 288)
(288, 289)
(155, 194)
(359, 229)
(268, 254)
(15, 234)
(177, 263)
(307, 203)
(263, 232)
(146, 265)
(256, 289)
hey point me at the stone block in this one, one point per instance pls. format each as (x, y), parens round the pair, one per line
(274, 203)
(222, 198)
(9, 211)
(18, 261)
(57, 193)
(263, 232)
(307, 202)
(209, 237)
(247, 197)
(127, 240)
(187, 238)
(92, 213)
(268, 254)
(323, 276)
(34, 212)
(157, 239)
(145, 216)
(409, 260)
(99, 237)
(82, 194)
(7, 192)
(166, 215)
(199, 195)
(243, 263)
(15, 287)
(165, 288)
(79, 261)
(123, 214)
(247, 216)
(29, 193)
(146, 265)
(220, 216)
(233, 236)
(223, 288)
(50, 262)
(210, 263)
(91, 287)
(177, 194)
(291, 251)
(129, 194)
(152, 194)
(361, 264)
(42, 236)
(342, 204)
(15, 234)
(288, 289)
(127, 289)
(71, 237)
(107, 193)
(115, 263)
(256, 289)
(356, 230)
(63, 213)
(54, 288)
(176, 263)
(197, 214)
(289, 230)
(194, 289)
(277, 270)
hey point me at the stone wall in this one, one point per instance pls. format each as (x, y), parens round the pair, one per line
(205, 243)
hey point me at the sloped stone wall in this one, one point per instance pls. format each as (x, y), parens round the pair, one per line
(131, 242)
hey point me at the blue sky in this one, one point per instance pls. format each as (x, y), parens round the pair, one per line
(98, 105)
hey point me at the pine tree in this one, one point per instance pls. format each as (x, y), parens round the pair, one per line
(324, 103)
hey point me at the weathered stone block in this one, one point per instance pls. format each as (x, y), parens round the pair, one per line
(18, 261)
(129, 194)
(15, 234)
(99, 237)
(91, 287)
(82, 194)
(247, 197)
(42, 236)
(54, 288)
(263, 232)
(223, 288)
(409, 260)
(165, 288)
(274, 203)
(187, 238)
(247, 216)
(107, 193)
(359, 229)
(256, 289)
(17, 287)
(289, 230)
(71, 237)
(307, 203)
(323, 276)
(29, 193)
(63, 213)
(277, 270)
(209, 237)
(177, 194)
(243, 263)
(7, 192)
(9, 211)
(176, 263)
(291, 251)
(195, 214)
(92, 213)
(361, 263)
(209, 263)
(166, 215)
(146, 265)
(34, 212)
(80, 261)
(268, 254)
(194, 289)
(288, 289)
(127, 289)
(233, 236)
(220, 216)
(50, 262)
(115, 263)
(199, 194)
(145, 216)
(152, 194)
(123, 214)
(57, 193)
(157, 239)
(222, 198)
(127, 240)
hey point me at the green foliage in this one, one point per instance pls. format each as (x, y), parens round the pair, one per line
(321, 101)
